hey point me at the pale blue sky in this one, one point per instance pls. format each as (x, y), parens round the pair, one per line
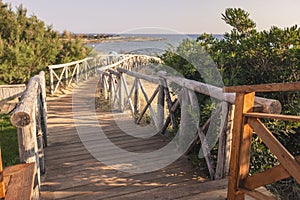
(183, 16)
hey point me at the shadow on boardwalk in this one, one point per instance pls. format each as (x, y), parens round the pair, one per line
(73, 173)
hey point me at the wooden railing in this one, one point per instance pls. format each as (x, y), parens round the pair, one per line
(114, 86)
(246, 121)
(8, 96)
(30, 117)
(63, 75)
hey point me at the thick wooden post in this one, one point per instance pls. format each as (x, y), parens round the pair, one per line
(2, 186)
(28, 150)
(241, 146)
(28, 118)
(161, 107)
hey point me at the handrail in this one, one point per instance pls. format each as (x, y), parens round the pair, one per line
(245, 123)
(113, 81)
(68, 73)
(69, 64)
(30, 117)
(267, 105)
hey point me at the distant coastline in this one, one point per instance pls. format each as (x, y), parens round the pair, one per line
(118, 38)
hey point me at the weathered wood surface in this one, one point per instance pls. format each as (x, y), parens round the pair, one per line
(30, 118)
(19, 181)
(267, 105)
(72, 173)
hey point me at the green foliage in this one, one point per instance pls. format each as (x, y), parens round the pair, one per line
(28, 46)
(239, 20)
(8, 142)
(246, 56)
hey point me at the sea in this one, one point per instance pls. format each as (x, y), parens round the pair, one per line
(155, 47)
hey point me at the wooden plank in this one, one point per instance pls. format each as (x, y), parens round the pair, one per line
(273, 116)
(21, 180)
(285, 158)
(272, 87)
(268, 176)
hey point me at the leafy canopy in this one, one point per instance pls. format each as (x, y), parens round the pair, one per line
(27, 46)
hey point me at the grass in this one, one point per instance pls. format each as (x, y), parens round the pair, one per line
(8, 142)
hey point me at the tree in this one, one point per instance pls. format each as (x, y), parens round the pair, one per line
(27, 46)
(239, 20)
(246, 56)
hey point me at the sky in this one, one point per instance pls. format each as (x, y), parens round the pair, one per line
(157, 16)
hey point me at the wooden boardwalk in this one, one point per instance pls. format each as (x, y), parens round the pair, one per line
(73, 173)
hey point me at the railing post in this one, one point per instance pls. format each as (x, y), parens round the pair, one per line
(28, 148)
(77, 73)
(220, 169)
(136, 102)
(121, 93)
(85, 70)
(111, 88)
(241, 146)
(51, 81)
(43, 107)
(66, 75)
(161, 107)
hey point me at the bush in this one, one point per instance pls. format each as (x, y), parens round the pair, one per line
(246, 56)
(28, 46)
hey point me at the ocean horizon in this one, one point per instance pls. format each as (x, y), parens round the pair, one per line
(153, 47)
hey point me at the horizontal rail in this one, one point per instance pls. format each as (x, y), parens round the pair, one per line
(141, 76)
(272, 87)
(273, 116)
(68, 64)
(268, 105)
(63, 75)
